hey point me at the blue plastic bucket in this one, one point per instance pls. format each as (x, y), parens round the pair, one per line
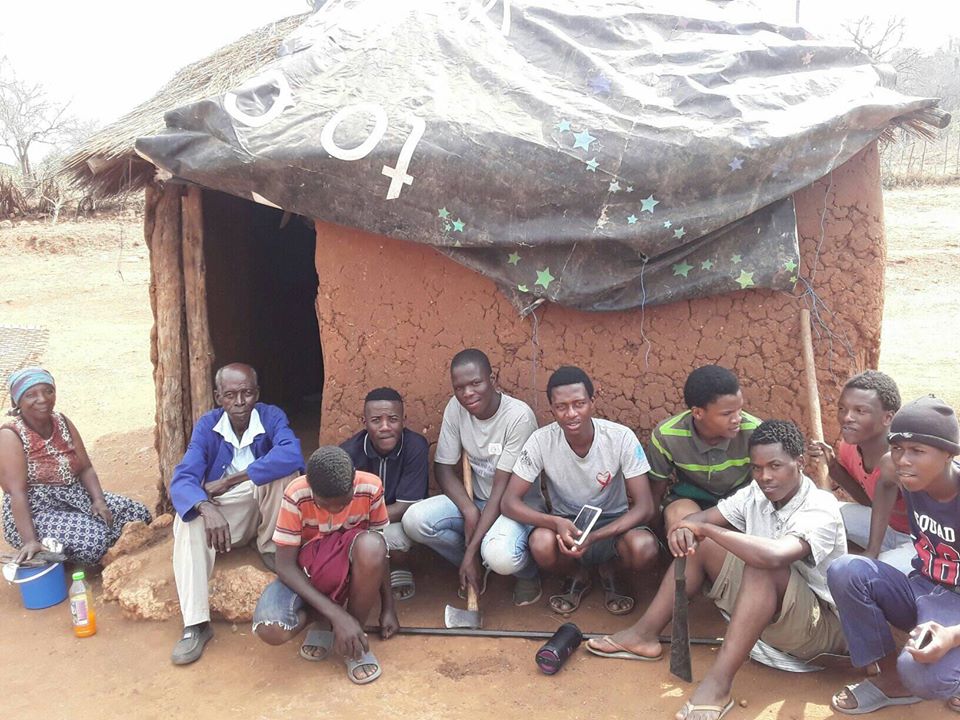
(42, 587)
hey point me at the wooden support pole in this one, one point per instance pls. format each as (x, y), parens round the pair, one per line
(152, 195)
(199, 344)
(171, 377)
(821, 471)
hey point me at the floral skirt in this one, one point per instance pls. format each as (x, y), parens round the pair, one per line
(64, 512)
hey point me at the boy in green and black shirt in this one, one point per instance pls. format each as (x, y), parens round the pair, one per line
(700, 456)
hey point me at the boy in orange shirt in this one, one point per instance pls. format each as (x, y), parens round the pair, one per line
(331, 562)
(876, 520)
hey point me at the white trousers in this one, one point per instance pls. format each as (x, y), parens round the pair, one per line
(251, 512)
(396, 538)
(897, 548)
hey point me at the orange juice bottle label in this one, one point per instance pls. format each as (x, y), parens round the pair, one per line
(78, 608)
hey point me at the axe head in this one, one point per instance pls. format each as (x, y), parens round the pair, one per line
(454, 617)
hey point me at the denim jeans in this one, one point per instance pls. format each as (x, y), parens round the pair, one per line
(871, 596)
(278, 605)
(437, 523)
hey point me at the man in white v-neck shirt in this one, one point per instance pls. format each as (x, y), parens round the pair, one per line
(586, 461)
(227, 491)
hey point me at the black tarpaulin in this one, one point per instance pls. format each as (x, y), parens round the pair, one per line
(601, 155)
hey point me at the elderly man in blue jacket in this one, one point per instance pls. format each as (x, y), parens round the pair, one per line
(227, 491)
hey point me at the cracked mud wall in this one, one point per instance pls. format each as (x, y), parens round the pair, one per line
(394, 313)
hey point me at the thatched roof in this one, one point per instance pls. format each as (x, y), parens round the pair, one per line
(106, 163)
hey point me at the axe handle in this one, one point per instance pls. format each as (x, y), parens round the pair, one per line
(820, 469)
(473, 605)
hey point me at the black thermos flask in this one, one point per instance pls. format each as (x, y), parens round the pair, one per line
(552, 656)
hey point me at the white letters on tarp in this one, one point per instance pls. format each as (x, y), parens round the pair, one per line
(398, 175)
(283, 100)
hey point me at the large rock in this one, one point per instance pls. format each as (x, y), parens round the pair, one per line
(142, 583)
(234, 592)
(138, 535)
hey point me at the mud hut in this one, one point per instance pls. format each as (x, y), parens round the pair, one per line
(346, 198)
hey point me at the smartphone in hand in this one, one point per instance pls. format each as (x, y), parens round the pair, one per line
(584, 522)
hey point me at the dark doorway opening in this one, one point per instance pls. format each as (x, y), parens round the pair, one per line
(261, 294)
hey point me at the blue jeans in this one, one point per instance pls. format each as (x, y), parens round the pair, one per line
(278, 605)
(437, 523)
(871, 596)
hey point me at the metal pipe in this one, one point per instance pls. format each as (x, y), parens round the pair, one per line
(521, 634)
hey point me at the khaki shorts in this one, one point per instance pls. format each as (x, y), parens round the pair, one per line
(805, 626)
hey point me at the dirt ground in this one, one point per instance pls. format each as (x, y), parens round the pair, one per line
(87, 282)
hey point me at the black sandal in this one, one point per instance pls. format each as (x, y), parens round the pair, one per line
(572, 592)
(612, 597)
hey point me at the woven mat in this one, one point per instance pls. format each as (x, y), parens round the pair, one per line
(19, 347)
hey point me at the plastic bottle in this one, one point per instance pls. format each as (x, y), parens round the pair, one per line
(81, 607)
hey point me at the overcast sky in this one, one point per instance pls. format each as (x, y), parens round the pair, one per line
(109, 55)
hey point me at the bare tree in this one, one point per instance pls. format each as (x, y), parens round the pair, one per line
(28, 117)
(882, 43)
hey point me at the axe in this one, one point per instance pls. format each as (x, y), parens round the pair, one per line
(454, 617)
(680, 632)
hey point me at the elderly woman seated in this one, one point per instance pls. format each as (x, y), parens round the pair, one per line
(50, 486)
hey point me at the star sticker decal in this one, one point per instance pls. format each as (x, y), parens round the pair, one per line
(745, 280)
(523, 288)
(629, 188)
(736, 259)
(706, 265)
(458, 225)
(667, 224)
(592, 164)
(563, 125)
(793, 279)
(614, 186)
(790, 265)
(679, 233)
(648, 204)
(443, 212)
(582, 140)
(544, 278)
(631, 219)
(682, 268)
(735, 164)
(513, 259)
(806, 58)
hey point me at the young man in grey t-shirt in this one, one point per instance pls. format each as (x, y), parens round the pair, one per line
(491, 428)
(586, 461)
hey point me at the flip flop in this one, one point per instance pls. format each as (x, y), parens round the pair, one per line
(572, 592)
(612, 595)
(621, 652)
(367, 658)
(721, 710)
(870, 698)
(401, 582)
(319, 637)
